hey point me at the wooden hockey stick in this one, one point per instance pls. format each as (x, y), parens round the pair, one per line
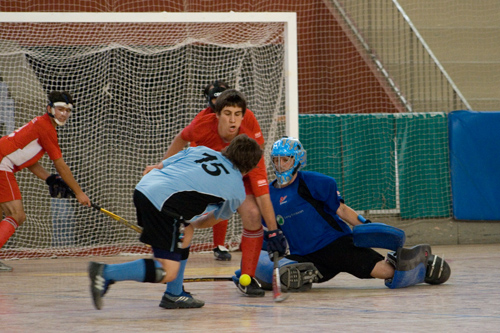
(118, 218)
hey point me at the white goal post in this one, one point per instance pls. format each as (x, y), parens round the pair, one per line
(137, 79)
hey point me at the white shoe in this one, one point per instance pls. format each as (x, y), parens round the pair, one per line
(5, 268)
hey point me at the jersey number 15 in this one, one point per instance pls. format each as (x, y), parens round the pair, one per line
(213, 169)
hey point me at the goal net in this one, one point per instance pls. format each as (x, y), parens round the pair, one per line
(137, 79)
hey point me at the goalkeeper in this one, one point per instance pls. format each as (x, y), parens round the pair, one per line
(311, 214)
(22, 149)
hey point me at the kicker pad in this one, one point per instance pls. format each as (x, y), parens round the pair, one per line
(410, 266)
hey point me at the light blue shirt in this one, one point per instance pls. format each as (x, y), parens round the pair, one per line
(199, 170)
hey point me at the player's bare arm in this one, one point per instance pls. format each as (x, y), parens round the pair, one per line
(267, 211)
(348, 214)
(205, 221)
(39, 171)
(176, 146)
(65, 173)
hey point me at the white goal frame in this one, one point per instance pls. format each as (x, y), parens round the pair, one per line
(288, 18)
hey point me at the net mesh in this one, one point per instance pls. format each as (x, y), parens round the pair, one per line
(355, 58)
(135, 87)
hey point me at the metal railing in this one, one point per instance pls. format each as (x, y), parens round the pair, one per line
(398, 52)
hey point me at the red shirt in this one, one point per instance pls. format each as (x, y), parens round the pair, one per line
(249, 122)
(202, 131)
(26, 145)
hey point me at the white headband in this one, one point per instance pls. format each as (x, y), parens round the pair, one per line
(64, 105)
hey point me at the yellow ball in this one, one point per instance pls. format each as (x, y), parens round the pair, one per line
(245, 280)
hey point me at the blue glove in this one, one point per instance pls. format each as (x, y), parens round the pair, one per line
(276, 242)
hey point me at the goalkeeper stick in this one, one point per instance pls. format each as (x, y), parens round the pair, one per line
(118, 218)
(277, 295)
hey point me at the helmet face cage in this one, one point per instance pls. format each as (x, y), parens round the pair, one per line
(291, 147)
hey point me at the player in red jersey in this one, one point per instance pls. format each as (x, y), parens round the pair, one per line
(22, 149)
(216, 130)
(211, 92)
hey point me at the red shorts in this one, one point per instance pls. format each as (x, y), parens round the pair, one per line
(9, 190)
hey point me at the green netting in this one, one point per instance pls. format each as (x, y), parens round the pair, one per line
(320, 135)
(358, 150)
(368, 161)
(423, 162)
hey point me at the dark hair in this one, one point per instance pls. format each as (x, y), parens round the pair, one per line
(60, 96)
(244, 152)
(230, 97)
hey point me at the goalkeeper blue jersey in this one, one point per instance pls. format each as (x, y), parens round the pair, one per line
(194, 182)
(306, 212)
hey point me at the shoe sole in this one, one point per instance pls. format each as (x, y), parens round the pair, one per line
(170, 306)
(180, 305)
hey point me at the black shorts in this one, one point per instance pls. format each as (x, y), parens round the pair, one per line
(342, 256)
(160, 229)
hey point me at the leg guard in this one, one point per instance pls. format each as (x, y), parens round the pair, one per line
(294, 276)
(438, 270)
(410, 266)
(378, 235)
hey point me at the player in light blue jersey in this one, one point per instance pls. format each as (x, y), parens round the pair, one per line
(196, 188)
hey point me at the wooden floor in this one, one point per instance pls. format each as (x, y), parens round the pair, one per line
(51, 295)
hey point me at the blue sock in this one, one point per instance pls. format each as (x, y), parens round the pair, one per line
(133, 270)
(175, 287)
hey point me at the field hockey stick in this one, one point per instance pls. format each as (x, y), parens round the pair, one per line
(277, 295)
(208, 279)
(118, 218)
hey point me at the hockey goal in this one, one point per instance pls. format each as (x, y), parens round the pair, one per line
(137, 79)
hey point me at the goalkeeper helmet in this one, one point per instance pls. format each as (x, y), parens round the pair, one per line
(287, 147)
(213, 90)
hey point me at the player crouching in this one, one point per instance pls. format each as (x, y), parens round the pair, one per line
(316, 222)
(170, 205)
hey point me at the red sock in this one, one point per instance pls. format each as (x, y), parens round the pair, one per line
(7, 228)
(251, 245)
(219, 231)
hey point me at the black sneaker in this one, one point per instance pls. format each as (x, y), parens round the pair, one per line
(254, 289)
(5, 268)
(221, 253)
(298, 277)
(98, 285)
(183, 301)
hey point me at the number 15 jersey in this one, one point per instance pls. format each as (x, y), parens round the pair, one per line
(193, 182)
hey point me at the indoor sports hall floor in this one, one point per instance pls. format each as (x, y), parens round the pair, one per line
(51, 295)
